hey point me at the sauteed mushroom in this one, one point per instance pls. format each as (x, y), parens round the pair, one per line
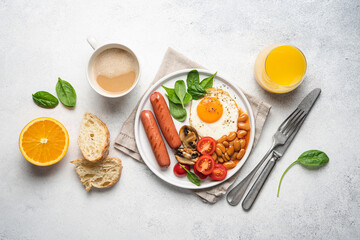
(187, 156)
(189, 137)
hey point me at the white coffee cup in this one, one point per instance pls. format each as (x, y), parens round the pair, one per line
(98, 50)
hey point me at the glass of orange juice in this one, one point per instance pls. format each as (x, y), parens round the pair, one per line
(280, 68)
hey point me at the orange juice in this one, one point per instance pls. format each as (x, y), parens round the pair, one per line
(280, 68)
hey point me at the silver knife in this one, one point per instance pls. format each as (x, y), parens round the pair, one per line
(278, 152)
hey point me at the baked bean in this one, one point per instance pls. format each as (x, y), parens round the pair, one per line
(244, 126)
(230, 150)
(221, 147)
(226, 157)
(220, 160)
(230, 164)
(241, 133)
(216, 161)
(226, 143)
(242, 143)
(223, 138)
(231, 136)
(237, 145)
(240, 155)
(218, 151)
(233, 157)
(214, 156)
(243, 117)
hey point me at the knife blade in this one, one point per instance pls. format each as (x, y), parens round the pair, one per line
(306, 105)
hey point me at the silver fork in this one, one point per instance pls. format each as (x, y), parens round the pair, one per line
(286, 129)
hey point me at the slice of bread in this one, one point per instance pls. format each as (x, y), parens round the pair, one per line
(100, 174)
(94, 138)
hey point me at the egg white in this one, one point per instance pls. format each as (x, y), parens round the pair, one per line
(227, 122)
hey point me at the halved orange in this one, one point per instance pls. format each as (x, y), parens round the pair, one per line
(44, 141)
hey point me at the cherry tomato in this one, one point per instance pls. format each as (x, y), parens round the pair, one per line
(179, 171)
(199, 174)
(206, 145)
(205, 164)
(219, 172)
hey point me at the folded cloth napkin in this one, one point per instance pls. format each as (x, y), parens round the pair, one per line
(174, 61)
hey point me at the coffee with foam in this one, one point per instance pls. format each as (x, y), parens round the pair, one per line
(115, 70)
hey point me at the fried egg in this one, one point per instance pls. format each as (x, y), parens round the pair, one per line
(215, 114)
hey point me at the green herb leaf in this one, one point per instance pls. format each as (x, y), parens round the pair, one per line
(45, 99)
(66, 93)
(180, 90)
(187, 98)
(173, 98)
(192, 176)
(311, 158)
(192, 78)
(196, 91)
(193, 83)
(177, 111)
(171, 95)
(208, 82)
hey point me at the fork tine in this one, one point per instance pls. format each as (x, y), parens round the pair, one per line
(289, 118)
(292, 120)
(295, 124)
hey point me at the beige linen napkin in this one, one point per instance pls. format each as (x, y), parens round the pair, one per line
(174, 61)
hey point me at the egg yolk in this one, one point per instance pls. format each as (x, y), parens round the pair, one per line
(209, 109)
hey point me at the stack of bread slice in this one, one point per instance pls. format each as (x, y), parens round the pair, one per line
(96, 169)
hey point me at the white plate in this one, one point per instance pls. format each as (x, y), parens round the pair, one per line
(143, 144)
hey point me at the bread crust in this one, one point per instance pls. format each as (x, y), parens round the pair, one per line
(80, 163)
(104, 146)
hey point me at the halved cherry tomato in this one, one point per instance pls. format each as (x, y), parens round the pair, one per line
(206, 145)
(179, 171)
(205, 164)
(219, 172)
(199, 174)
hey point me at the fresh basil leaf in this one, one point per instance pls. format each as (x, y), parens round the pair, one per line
(171, 95)
(192, 176)
(192, 78)
(45, 99)
(208, 82)
(66, 93)
(180, 90)
(177, 111)
(311, 158)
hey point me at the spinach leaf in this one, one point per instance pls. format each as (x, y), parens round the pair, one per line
(311, 158)
(177, 111)
(173, 98)
(171, 95)
(193, 83)
(66, 93)
(180, 90)
(45, 99)
(192, 176)
(208, 82)
(187, 98)
(196, 91)
(192, 78)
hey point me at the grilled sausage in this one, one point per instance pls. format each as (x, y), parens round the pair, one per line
(166, 123)
(154, 136)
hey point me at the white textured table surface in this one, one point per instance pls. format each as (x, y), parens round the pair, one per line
(43, 40)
